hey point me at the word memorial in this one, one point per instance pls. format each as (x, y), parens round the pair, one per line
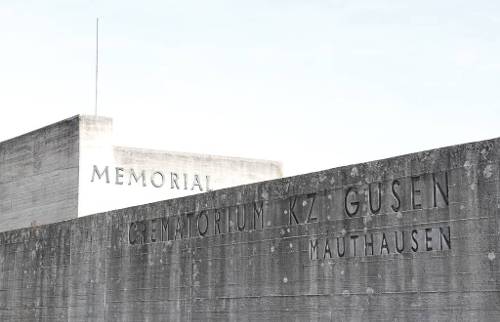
(155, 178)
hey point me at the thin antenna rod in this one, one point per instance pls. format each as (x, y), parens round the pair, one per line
(96, 62)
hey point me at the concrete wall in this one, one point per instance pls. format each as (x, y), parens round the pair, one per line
(39, 176)
(113, 177)
(274, 251)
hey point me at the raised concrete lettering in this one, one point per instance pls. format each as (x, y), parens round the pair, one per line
(156, 178)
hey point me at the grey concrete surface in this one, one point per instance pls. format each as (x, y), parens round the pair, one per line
(410, 238)
(39, 176)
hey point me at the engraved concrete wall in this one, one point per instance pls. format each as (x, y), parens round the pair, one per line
(412, 238)
(39, 176)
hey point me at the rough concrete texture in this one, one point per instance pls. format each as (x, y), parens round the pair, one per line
(39, 176)
(411, 238)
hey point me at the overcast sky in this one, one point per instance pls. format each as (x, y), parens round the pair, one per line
(313, 84)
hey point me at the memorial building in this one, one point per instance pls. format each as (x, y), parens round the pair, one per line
(95, 232)
(72, 169)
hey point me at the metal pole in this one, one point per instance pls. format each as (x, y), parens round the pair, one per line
(96, 63)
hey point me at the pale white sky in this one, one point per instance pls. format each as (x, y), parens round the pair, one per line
(314, 84)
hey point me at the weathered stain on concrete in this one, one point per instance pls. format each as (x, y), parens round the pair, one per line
(403, 239)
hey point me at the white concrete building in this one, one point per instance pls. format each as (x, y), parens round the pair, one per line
(72, 168)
